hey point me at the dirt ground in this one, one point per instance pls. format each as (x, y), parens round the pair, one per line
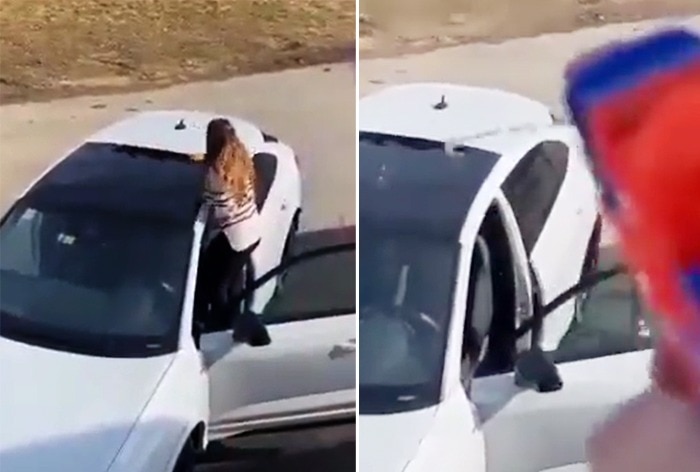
(54, 48)
(396, 26)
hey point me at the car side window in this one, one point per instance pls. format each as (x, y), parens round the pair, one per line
(533, 187)
(318, 287)
(613, 320)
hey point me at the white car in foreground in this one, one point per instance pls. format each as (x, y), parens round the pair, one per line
(104, 364)
(476, 210)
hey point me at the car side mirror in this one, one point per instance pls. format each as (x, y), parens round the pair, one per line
(249, 329)
(534, 369)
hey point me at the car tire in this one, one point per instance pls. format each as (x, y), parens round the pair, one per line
(288, 250)
(187, 460)
(590, 264)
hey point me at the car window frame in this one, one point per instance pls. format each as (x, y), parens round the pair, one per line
(294, 261)
(637, 311)
(302, 258)
(552, 156)
(480, 253)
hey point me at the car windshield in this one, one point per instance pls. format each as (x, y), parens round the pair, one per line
(92, 282)
(406, 289)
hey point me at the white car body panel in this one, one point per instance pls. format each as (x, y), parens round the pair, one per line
(571, 210)
(495, 432)
(445, 437)
(523, 282)
(282, 204)
(74, 412)
(406, 110)
(179, 404)
(563, 419)
(511, 126)
(156, 130)
(306, 374)
(457, 427)
(565, 236)
(389, 442)
(62, 411)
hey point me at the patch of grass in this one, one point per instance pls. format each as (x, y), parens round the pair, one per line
(51, 48)
(401, 22)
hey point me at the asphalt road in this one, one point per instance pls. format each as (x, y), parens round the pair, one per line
(312, 109)
(529, 66)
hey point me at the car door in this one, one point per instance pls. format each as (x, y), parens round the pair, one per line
(512, 302)
(307, 372)
(603, 361)
(522, 276)
(545, 194)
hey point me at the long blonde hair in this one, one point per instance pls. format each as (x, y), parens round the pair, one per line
(229, 158)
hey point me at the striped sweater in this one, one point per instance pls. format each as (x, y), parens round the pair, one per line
(239, 220)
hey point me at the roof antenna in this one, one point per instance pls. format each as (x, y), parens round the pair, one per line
(441, 105)
(180, 125)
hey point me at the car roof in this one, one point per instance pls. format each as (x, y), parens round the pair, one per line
(179, 131)
(141, 166)
(451, 113)
(132, 181)
(414, 185)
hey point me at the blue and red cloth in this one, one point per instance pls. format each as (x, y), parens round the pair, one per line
(637, 106)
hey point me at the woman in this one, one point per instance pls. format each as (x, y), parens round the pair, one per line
(230, 193)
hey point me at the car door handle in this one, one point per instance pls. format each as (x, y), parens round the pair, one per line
(343, 349)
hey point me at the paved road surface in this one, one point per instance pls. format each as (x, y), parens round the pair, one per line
(530, 66)
(312, 109)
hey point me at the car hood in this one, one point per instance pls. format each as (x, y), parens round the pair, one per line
(387, 443)
(63, 411)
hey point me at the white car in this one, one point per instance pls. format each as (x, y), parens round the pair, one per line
(104, 365)
(476, 209)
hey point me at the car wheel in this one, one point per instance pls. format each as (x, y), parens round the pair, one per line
(187, 460)
(288, 250)
(590, 264)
